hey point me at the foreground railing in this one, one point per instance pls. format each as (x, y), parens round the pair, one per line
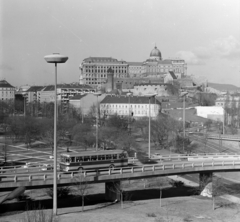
(186, 166)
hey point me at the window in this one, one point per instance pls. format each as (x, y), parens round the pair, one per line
(86, 158)
(93, 158)
(114, 156)
(101, 157)
(108, 157)
(72, 159)
(79, 159)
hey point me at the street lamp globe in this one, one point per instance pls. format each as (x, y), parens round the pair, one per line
(56, 58)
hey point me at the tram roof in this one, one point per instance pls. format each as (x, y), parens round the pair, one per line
(88, 153)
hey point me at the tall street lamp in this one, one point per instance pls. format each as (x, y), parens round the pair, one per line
(97, 94)
(129, 128)
(184, 94)
(55, 58)
(24, 103)
(149, 122)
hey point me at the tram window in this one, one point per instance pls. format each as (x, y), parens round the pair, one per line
(122, 155)
(86, 158)
(108, 157)
(114, 156)
(79, 159)
(101, 157)
(93, 158)
(67, 159)
(72, 159)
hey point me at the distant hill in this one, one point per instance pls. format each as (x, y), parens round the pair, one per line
(223, 87)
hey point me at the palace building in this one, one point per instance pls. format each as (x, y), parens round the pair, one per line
(156, 67)
(94, 70)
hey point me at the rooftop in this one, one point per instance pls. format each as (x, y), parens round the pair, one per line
(5, 84)
(129, 99)
(66, 86)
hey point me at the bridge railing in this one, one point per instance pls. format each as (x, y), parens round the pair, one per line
(192, 155)
(118, 171)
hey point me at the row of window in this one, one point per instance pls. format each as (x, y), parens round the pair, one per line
(6, 89)
(124, 112)
(122, 106)
(93, 158)
(104, 71)
(106, 67)
(91, 75)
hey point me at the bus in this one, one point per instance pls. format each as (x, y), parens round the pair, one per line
(89, 160)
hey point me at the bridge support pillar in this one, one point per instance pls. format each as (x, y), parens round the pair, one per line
(112, 190)
(204, 179)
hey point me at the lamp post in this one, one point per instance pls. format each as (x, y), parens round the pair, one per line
(55, 58)
(129, 94)
(97, 94)
(184, 116)
(149, 122)
(24, 103)
(81, 106)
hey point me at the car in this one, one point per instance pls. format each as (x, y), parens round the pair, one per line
(29, 165)
(47, 166)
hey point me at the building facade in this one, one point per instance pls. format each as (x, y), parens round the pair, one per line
(64, 93)
(142, 89)
(154, 66)
(136, 106)
(228, 101)
(94, 70)
(7, 91)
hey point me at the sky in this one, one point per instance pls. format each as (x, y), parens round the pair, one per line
(206, 33)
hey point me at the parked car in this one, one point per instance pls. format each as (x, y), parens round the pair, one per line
(47, 166)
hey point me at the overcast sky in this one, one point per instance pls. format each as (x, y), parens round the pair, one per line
(206, 33)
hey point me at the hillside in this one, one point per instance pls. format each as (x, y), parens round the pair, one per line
(223, 87)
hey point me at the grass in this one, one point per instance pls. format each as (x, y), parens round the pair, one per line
(38, 214)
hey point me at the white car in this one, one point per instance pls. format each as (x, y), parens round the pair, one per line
(29, 165)
(47, 166)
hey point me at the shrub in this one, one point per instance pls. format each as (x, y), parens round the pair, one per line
(151, 215)
(176, 183)
(38, 214)
(61, 192)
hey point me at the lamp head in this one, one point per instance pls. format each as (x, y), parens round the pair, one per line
(56, 58)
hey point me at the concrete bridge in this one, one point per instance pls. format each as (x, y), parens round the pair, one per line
(112, 178)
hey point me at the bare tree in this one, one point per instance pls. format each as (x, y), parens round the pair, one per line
(119, 187)
(82, 186)
(160, 183)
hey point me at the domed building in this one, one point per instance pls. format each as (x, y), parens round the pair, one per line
(94, 69)
(155, 67)
(155, 54)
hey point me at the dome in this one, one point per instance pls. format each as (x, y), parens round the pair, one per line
(155, 53)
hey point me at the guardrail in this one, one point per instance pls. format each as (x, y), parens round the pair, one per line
(112, 173)
(192, 155)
